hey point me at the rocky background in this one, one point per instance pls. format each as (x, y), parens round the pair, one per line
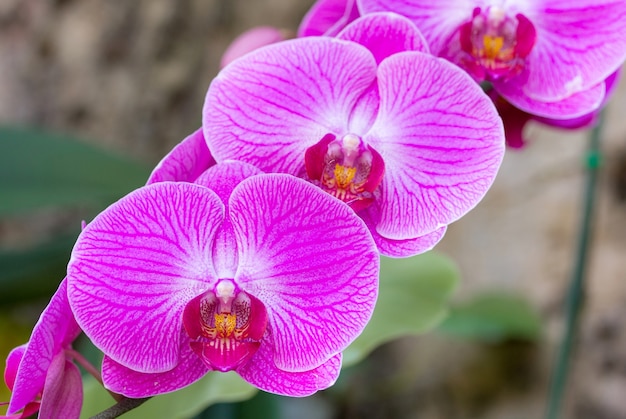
(131, 76)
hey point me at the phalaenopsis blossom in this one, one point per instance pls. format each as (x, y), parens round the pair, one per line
(41, 374)
(408, 140)
(548, 58)
(263, 274)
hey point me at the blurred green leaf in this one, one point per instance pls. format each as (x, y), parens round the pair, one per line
(215, 387)
(413, 299)
(35, 272)
(493, 317)
(41, 169)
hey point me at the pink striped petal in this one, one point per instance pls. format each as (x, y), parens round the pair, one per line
(310, 260)
(399, 248)
(222, 179)
(292, 93)
(438, 20)
(328, 17)
(136, 266)
(63, 394)
(579, 44)
(54, 331)
(185, 162)
(261, 372)
(250, 40)
(578, 104)
(385, 34)
(130, 383)
(442, 142)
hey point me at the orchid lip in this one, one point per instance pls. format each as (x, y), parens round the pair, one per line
(496, 45)
(225, 325)
(348, 169)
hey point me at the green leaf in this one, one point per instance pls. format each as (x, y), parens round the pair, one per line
(412, 299)
(41, 169)
(34, 272)
(215, 387)
(493, 317)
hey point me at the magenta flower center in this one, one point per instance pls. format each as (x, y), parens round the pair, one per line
(348, 169)
(495, 44)
(225, 325)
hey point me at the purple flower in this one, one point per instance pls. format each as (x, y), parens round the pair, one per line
(263, 274)
(41, 374)
(328, 17)
(548, 58)
(408, 140)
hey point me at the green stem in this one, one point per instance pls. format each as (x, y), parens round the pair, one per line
(575, 293)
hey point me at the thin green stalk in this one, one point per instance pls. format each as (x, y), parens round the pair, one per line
(575, 293)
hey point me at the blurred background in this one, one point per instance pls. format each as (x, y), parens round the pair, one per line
(130, 78)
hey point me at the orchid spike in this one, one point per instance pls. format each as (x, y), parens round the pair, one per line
(262, 274)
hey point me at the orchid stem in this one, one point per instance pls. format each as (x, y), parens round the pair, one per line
(575, 293)
(122, 406)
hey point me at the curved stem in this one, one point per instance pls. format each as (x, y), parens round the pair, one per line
(122, 406)
(575, 293)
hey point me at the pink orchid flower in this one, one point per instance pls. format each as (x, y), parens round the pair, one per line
(548, 58)
(263, 274)
(41, 374)
(408, 140)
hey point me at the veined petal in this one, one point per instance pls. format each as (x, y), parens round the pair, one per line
(268, 107)
(63, 391)
(261, 372)
(579, 44)
(437, 20)
(135, 267)
(310, 260)
(578, 104)
(12, 364)
(130, 383)
(55, 329)
(222, 179)
(385, 34)
(441, 140)
(399, 248)
(185, 162)
(328, 17)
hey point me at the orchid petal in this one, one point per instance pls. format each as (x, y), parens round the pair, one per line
(442, 142)
(63, 391)
(185, 162)
(55, 329)
(385, 34)
(310, 260)
(135, 267)
(438, 20)
(293, 98)
(579, 44)
(249, 41)
(399, 248)
(222, 179)
(576, 105)
(130, 383)
(12, 364)
(328, 17)
(261, 372)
